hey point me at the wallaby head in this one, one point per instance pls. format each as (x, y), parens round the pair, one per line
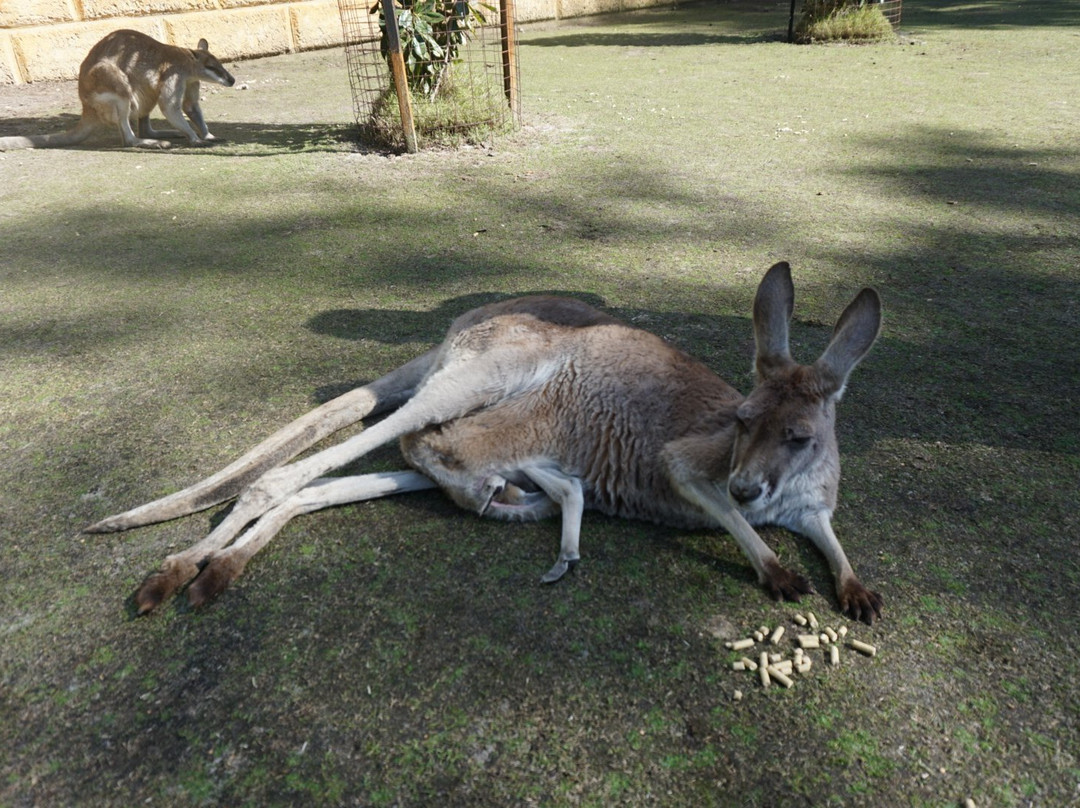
(210, 69)
(785, 427)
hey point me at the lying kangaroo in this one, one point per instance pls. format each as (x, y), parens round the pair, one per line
(123, 77)
(541, 405)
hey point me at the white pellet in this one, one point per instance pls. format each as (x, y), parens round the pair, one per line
(780, 676)
(809, 641)
(834, 655)
(832, 634)
(812, 620)
(748, 664)
(800, 619)
(862, 647)
(824, 638)
(738, 666)
(758, 636)
(776, 635)
(741, 645)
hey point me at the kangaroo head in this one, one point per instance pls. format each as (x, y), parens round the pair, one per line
(210, 69)
(785, 427)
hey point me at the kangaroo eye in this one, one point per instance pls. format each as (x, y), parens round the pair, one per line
(797, 441)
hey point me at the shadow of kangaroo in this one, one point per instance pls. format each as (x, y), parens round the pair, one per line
(124, 77)
(541, 406)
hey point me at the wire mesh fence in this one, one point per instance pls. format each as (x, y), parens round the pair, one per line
(891, 9)
(457, 61)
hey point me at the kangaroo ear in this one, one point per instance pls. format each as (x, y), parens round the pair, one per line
(203, 45)
(855, 332)
(773, 305)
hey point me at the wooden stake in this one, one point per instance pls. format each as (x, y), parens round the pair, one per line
(509, 54)
(401, 82)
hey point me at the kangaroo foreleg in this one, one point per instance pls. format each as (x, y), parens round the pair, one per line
(226, 565)
(567, 492)
(856, 601)
(778, 581)
(385, 393)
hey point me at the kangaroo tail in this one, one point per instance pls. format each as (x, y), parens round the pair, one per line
(82, 130)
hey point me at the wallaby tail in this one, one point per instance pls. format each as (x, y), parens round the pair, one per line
(383, 394)
(82, 130)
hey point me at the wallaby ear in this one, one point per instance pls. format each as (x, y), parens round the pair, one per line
(855, 332)
(773, 305)
(203, 45)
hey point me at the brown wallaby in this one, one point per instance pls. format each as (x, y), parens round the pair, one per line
(541, 405)
(123, 77)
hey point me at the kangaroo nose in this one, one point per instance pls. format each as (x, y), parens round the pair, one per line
(743, 492)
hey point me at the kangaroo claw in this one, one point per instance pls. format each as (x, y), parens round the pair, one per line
(860, 603)
(783, 584)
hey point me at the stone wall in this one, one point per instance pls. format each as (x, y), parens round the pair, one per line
(48, 39)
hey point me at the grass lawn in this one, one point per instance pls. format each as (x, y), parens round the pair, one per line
(162, 312)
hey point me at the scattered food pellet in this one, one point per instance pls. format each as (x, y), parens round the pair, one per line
(782, 665)
(862, 647)
(777, 666)
(780, 676)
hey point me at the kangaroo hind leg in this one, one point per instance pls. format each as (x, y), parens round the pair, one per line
(224, 566)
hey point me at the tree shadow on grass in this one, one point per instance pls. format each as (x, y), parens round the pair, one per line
(249, 139)
(991, 14)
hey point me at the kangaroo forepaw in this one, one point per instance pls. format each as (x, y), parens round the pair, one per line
(160, 586)
(783, 584)
(860, 603)
(562, 566)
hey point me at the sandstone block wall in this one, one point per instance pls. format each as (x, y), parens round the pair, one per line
(48, 39)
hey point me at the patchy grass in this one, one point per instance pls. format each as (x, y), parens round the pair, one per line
(842, 20)
(163, 311)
